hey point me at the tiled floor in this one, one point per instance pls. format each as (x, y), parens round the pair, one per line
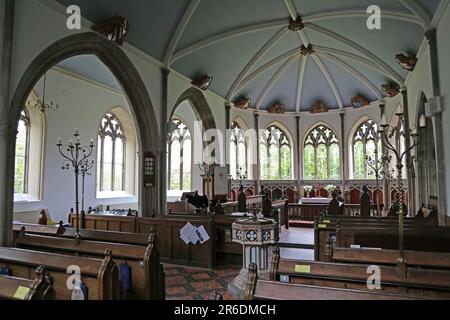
(186, 283)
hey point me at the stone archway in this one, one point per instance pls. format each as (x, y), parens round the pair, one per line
(134, 88)
(200, 106)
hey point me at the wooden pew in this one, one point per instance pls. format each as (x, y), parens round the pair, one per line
(420, 282)
(274, 290)
(439, 260)
(341, 229)
(41, 288)
(105, 222)
(172, 248)
(100, 276)
(147, 273)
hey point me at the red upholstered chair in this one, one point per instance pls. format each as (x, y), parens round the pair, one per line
(355, 194)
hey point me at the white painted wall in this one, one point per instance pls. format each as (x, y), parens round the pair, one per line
(82, 106)
(444, 74)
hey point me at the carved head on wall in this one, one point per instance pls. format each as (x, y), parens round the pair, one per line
(318, 107)
(203, 83)
(359, 102)
(277, 108)
(390, 89)
(114, 28)
(406, 61)
(243, 103)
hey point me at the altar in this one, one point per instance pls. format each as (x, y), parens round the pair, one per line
(308, 209)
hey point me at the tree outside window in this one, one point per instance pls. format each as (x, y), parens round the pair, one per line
(110, 155)
(275, 155)
(179, 158)
(321, 155)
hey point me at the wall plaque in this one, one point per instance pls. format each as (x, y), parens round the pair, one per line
(149, 169)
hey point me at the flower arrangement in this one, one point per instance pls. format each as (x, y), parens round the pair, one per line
(308, 190)
(330, 188)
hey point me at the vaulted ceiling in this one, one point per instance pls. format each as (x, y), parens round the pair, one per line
(250, 52)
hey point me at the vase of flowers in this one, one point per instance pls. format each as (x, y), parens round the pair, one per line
(308, 190)
(330, 188)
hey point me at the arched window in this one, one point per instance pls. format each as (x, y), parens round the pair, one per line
(238, 152)
(321, 155)
(275, 155)
(22, 154)
(366, 145)
(179, 148)
(111, 155)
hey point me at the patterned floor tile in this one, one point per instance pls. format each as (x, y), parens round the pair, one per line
(187, 283)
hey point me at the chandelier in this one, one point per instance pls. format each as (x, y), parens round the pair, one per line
(41, 105)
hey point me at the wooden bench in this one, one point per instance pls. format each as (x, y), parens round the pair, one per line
(421, 282)
(439, 260)
(344, 231)
(100, 276)
(41, 288)
(147, 273)
(274, 290)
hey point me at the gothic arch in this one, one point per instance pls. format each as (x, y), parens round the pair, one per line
(199, 105)
(134, 89)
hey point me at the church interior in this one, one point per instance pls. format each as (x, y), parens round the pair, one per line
(224, 150)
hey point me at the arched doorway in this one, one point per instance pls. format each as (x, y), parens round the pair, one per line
(126, 74)
(426, 156)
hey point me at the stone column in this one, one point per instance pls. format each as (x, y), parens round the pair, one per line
(438, 132)
(343, 157)
(163, 128)
(226, 136)
(6, 130)
(300, 158)
(256, 168)
(410, 172)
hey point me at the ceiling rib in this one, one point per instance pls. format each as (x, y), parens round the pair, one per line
(353, 72)
(354, 57)
(294, 15)
(330, 80)
(361, 13)
(193, 4)
(273, 80)
(301, 77)
(227, 35)
(353, 13)
(267, 66)
(416, 8)
(280, 34)
(357, 47)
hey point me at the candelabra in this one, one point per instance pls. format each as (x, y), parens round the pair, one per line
(387, 133)
(85, 167)
(376, 165)
(241, 174)
(76, 156)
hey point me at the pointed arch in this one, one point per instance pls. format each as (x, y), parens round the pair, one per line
(114, 58)
(321, 154)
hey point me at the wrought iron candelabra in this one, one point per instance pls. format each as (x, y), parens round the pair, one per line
(388, 133)
(241, 174)
(76, 156)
